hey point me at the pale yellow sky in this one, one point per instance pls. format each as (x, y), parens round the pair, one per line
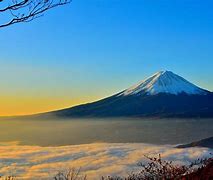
(10, 106)
(30, 90)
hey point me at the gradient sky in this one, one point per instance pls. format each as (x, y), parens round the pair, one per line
(91, 49)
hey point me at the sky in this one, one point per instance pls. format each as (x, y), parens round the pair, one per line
(89, 50)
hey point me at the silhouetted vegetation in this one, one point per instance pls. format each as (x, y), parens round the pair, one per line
(18, 11)
(158, 169)
(155, 169)
(70, 174)
(8, 178)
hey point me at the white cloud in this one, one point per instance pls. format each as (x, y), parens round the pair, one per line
(95, 159)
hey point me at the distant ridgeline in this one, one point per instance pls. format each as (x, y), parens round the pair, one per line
(208, 143)
(164, 94)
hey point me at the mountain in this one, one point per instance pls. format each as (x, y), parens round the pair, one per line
(164, 94)
(208, 142)
(164, 82)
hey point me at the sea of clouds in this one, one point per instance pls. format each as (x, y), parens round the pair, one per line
(95, 160)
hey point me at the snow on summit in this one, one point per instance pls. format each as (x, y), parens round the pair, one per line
(164, 82)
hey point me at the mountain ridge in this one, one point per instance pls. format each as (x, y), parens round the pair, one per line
(207, 142)
(155, 97)
(165, 82)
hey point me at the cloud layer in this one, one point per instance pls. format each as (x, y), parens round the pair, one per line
(95, 160)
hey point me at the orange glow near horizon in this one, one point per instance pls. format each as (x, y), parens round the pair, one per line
(11, 106)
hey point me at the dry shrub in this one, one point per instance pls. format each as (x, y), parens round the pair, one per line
(70, 174)
(7, 178)
(158, 169)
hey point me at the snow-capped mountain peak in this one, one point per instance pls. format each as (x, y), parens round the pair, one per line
(164, 82)
(179, 98)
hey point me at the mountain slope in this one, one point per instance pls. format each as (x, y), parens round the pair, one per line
(208, 143)
(164, 82)
(164, 94)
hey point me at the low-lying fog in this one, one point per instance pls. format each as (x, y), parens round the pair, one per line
(55, 132)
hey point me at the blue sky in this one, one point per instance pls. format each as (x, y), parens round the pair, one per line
(92, 49)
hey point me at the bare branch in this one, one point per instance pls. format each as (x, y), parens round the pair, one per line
(27, 10)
